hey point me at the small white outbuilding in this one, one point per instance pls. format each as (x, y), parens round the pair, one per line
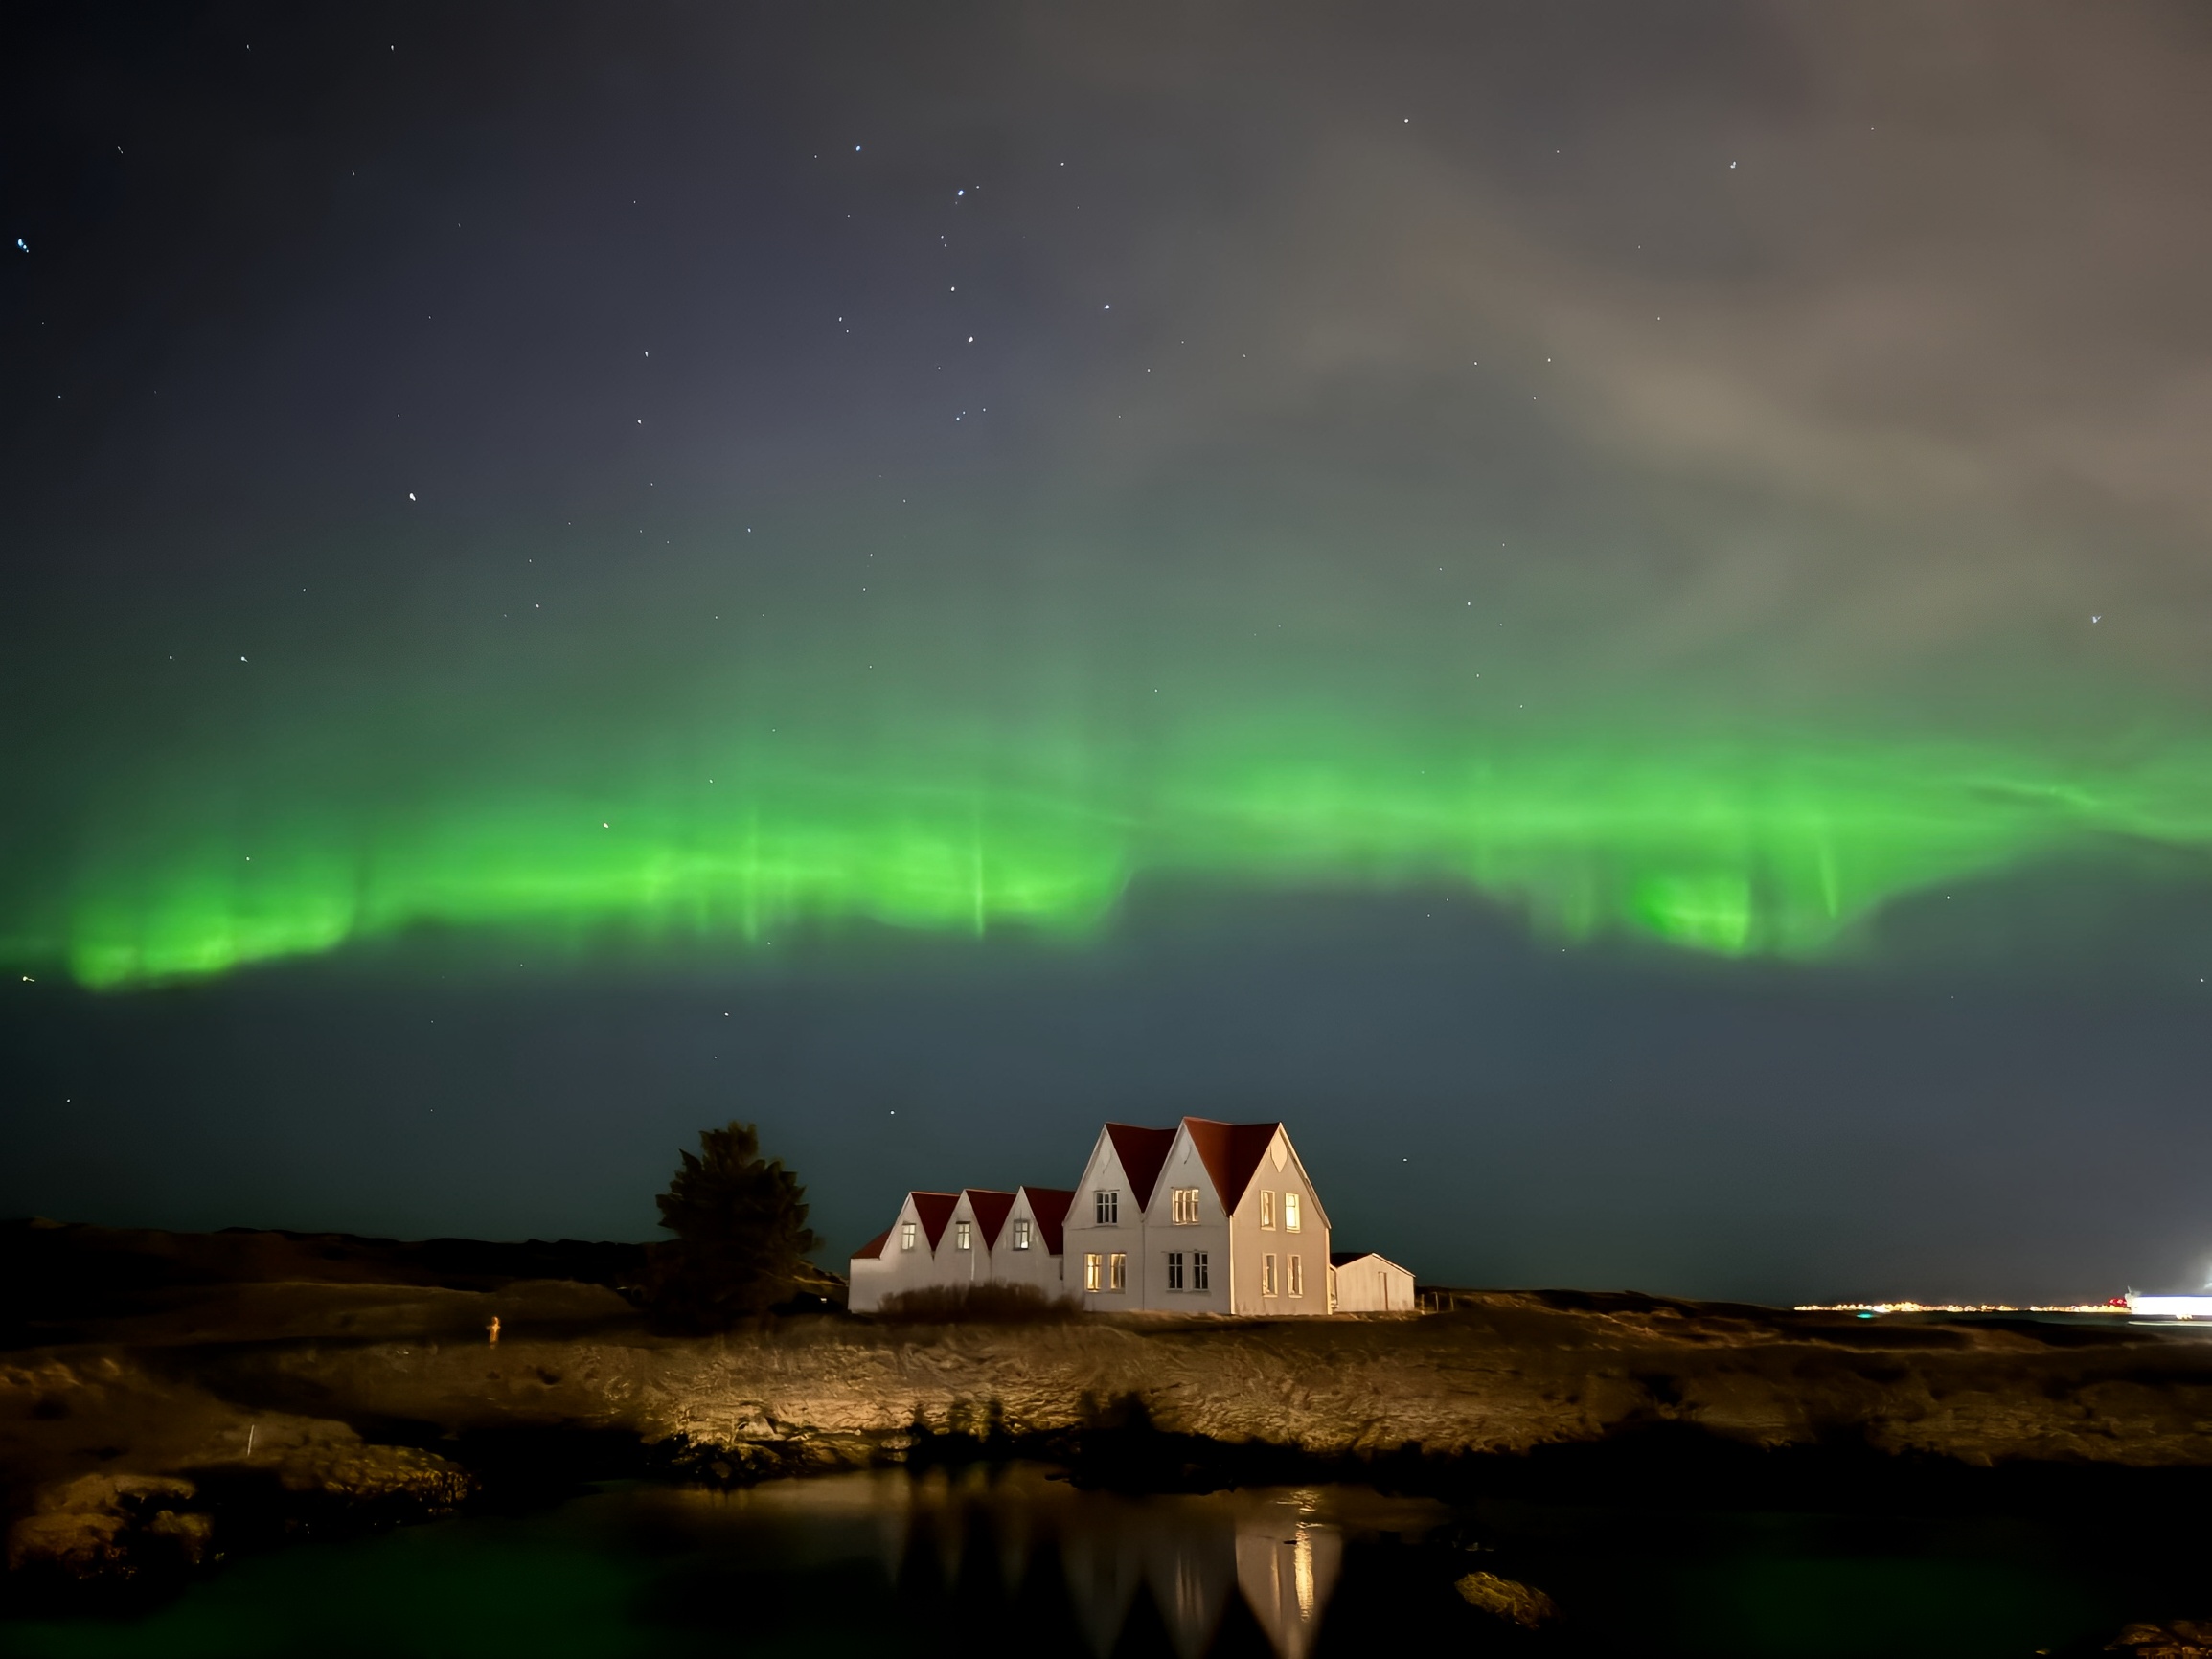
(1365, 1283)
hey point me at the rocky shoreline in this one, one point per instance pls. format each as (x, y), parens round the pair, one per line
(207, 1418)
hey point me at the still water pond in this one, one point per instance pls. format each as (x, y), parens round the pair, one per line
(1015, 1558)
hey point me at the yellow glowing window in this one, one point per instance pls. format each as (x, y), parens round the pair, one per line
(1093, 1272)
(906, 1230)
(1117, 1271)
(1022, 1233)
(1185, 1212)
(963, 1236)
(1291, 1216)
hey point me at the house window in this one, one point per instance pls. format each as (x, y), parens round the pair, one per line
(1266, 1208)
(1175, 1270)
(1021, 1231)
(1297, 1266)
(906, 1230)
(1197, 1270)
(1106, 1207)
(1092, 1278)
(1267, 1275)
(963, 1236)
(1290, 1215)
(1117, 1271)
(1186, 1206)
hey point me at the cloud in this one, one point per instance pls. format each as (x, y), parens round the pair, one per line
(1935, 348)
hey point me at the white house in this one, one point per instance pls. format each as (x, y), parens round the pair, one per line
(1203, 1218)
(1365, 1283)
(976, 1235)
(904, 1256)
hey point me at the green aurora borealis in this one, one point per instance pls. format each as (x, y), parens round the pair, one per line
(912, 807)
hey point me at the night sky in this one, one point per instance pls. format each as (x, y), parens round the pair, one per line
(1603, 607)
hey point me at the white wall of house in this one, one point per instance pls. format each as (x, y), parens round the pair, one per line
(1372, 1284)
(1035, 1264)
(1260, 1229)
(898, 1268)
(964, 1257)
(1087, 1236)
(1208, 1235)
(868, 1281)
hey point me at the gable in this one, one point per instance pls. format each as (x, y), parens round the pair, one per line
(1320, 1210)
(1049, 1205)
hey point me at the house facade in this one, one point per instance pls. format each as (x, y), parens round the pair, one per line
(1203, 1218)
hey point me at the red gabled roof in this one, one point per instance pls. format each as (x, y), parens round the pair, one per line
(1049, 1205)
(934, 1209)
(872, 1250)
(991, 1208)
(1231, 1154)
(1142, 1154)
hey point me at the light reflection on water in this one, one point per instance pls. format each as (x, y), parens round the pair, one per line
(1280, 1549)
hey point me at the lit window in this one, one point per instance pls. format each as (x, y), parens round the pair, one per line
(1175, 1270)
(907, 1231)
(1186, 1206)
(1266, 1208)
(1092, 1279)
(1267, 1275)
(963, 1236)
(1291, 1214)
(1117, 1271)
(1106, 1207)
(1297, 1264)
(1197, 1270)
(1022, 1233)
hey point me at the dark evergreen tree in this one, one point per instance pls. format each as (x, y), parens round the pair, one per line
(741, 1230)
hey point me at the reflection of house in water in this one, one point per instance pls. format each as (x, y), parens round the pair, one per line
(1287, 1566)
(1280, 1552)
